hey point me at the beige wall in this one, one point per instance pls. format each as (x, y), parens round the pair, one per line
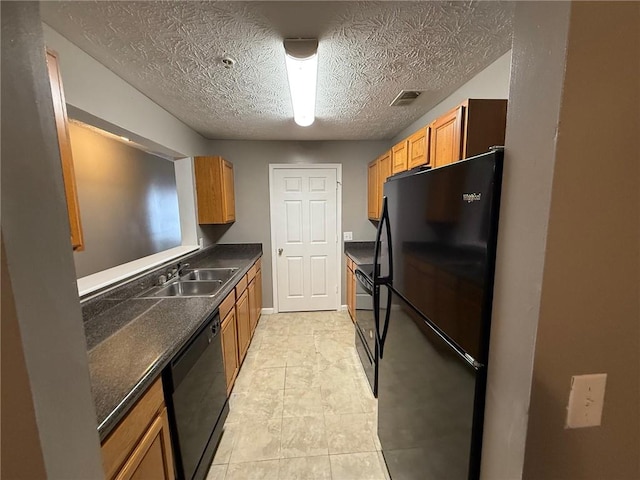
(251, 161)
(39, 261)
(567, 278)
(21, 455)
(128, 201)
(589, 312)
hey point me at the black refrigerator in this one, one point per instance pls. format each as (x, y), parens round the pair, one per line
(433, 276)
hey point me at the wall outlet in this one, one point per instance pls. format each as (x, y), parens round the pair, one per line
(347, 236)
(586, 400)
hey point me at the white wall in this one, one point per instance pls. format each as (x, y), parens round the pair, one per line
(492, 82)
(93, 88)
(97, 96)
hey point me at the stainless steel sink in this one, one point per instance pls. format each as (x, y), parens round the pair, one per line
(202, 282)
(188, 289)
(207, 274)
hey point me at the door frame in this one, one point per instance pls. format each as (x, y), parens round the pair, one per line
(274, 269)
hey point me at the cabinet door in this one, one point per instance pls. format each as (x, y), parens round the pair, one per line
(244, 324)
(446, 138)
(399, 157)
(229, 192)
(372, 191)
(258, 282)
(418, 148)
(384, 172)
(230, 348)
(253, 311)
(349, 293)
(152, 457)
(64, 145)
(214, 190)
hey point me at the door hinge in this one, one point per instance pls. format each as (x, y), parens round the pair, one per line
(336, 288)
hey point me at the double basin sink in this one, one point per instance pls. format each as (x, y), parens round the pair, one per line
(201, 282)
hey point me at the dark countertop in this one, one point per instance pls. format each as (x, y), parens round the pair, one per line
(360, 252)
(131, 340)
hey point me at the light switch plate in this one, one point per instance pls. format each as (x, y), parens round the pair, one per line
(586, 400)
(347, 236)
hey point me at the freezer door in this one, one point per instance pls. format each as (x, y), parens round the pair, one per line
(430, 401)
(443, 227)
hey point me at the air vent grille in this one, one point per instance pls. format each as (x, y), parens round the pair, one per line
(405, 97)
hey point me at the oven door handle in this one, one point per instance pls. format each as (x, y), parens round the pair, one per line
(364, 283)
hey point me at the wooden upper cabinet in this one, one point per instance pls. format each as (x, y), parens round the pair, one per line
(468, 130)
(384, 172)
(215, 190)
(484, 125)
(419, 147)
(446, 138)
(400, 156)
(372, 190)
(66, 158)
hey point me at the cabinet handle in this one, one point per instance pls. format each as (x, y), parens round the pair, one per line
(279, 251)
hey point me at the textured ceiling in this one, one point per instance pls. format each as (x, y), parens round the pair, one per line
(368, 52)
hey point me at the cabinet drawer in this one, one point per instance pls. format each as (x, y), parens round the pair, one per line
(252, 273)
(258, 264)
(241, 286)
(227, 304)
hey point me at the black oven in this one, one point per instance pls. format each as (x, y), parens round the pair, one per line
(365, 331)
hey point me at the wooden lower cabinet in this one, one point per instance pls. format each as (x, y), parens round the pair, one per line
(351, 289)
(240, 312)
(258, 293)
(253, 311)
(149, 459)
(230, 348)
(140, 446)
(244, 323)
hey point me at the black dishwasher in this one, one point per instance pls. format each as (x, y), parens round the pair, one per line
(196, 393)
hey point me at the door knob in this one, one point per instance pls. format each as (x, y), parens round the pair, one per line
(279, 251)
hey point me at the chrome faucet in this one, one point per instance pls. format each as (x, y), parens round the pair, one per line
(173, 272)
(180, 268)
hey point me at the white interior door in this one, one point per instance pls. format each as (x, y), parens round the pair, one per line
(304, 218)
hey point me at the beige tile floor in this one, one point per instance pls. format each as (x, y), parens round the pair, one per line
(301, 407)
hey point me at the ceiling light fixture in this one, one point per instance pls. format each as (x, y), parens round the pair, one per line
(301, 58)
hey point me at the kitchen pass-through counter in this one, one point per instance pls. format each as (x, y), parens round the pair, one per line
(131, 340)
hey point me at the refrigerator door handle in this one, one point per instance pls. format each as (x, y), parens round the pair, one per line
(381, 337)
(384, 220)
(377, 280)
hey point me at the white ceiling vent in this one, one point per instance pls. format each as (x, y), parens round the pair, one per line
(405, 97)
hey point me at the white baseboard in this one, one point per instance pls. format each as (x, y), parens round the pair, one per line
(267, 311)
(343, 308)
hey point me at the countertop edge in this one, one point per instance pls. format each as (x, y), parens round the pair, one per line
(107, 424)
